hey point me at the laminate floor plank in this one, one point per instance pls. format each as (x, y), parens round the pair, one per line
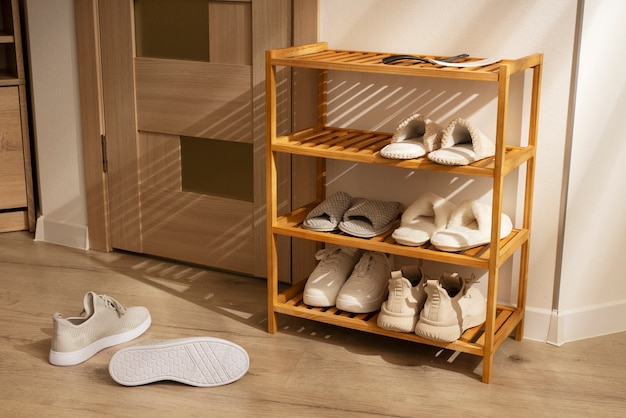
(307, 369)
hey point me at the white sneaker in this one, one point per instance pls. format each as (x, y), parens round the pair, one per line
(332, 271)
(196, 361)
(451, 307)
(406, 299)
(106, 323)
(366, 288)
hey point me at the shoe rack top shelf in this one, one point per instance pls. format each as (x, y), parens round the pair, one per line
(318, 56)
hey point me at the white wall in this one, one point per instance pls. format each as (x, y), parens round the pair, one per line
(56, 116)
(483, 28)
(592, 294)
(591, 288)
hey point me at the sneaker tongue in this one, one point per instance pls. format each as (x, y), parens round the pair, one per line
(452, 282)
(88, 303)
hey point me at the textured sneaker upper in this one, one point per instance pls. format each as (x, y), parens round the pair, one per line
(442, 294)
(401, 297)
(406, 291)
(104, 316)
(366, 288)
(453, 302)
(473, 308)
(332, 271)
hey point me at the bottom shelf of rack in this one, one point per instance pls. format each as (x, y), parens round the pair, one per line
(290, 302)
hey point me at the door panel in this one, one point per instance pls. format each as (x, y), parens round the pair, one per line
(230, 32)
(120, 127)
(13, 184)
(189, 226)
(196, 99)
(153, 102)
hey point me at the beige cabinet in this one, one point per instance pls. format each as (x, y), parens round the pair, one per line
(16, 192)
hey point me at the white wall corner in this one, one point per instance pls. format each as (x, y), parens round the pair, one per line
(62, 233)
(587, 322)
(537, 324)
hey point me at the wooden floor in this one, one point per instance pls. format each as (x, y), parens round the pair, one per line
(305, 370)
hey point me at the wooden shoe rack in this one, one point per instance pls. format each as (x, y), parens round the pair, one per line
(323, 142)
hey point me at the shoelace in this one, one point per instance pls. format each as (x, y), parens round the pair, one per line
(113, 304)
(366, 262)
(330, 254)
(469, 281)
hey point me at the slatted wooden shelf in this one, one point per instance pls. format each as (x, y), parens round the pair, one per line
(478, 257)
(327, 142)
(364, 147)
(472, 341)
(318, 56)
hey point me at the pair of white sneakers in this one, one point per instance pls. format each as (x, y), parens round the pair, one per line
(348, 278)
(196, 361)
(440, 310)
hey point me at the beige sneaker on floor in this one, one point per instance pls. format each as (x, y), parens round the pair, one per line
(451, 307)
(195, 361)
(105, 323)
(405, 301)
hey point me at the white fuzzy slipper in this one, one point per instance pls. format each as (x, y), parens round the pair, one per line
(427, 215)
(415, 136)
(461, 144)
(469, 226)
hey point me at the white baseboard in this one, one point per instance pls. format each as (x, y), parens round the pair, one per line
(62, 233)
(537, 324)
(560, 327)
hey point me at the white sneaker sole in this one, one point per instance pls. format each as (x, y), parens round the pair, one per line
(198, 361)
(59, 358)
(393, 321)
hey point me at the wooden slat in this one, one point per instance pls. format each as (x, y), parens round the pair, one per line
(368, 322)
(372, 62)
(472, 340)
(364, 146)
(291, 224)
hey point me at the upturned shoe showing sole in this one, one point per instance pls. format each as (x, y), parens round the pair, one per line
(196, 361)
(406, 299)
(105, 323)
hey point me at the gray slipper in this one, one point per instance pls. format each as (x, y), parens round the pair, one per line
(326, 216)
(368, 218)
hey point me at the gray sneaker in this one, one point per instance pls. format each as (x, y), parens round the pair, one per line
(105, 323)
(195, 361)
